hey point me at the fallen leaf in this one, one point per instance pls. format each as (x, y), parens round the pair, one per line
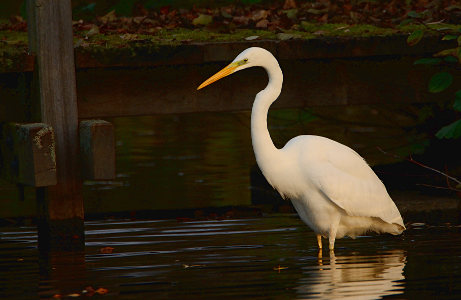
(139, 20)
(262, 24)
(241, 20)
(226, 13)
(319, 32)
(289, 4)
(109, 17)
(74, 295)
(291, 13)
(129, 36)
(106, 250)
(252, 37)
(284, 36)
(202, 19)
(88, 291)
(94, 30)
(259, 14)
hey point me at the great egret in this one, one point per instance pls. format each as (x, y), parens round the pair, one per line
(332, 188)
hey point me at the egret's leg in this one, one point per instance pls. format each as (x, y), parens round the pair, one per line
(320, 258)
(319, 241)
(332, 234)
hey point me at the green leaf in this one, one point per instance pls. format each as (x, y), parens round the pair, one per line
(450, 59)
(413, 14)
(291, 13)
(427, 61)
(202, 19)
(406, 22)
(415, 37)
(439, 82)
(449, 37)
(457, 104)
(452, 131)
(446, 52)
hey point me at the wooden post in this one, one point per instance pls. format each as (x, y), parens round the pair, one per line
(27, 153)
(61, 206)
(97, 149)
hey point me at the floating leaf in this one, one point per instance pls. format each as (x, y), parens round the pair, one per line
(415, 37)
(451, 131)
(106, 250)
(427, 61)
(202, 19)
(449, 37)
(457, 104)
(279, 268)
(439, 82)
(101, 291)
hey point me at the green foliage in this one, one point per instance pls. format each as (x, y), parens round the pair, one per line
(413, 14)
(415, 37)
(251, 1)
(124, 7)
(452, 131)
(450, 59)
(439, 82)
(428, 61)
(457, 104)
(442, 80)
(449, 37)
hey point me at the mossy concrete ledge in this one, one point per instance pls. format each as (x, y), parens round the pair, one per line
(141, 51)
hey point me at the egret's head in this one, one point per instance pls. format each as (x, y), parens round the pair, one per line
(250, 57)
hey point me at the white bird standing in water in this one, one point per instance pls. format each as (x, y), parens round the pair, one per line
(332, 188)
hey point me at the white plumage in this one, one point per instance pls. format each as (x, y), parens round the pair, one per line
(332, 188)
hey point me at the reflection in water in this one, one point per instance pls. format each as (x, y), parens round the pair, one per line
(233, 259)
(355, 277)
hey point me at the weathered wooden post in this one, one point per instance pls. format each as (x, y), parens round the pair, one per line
(51, 40)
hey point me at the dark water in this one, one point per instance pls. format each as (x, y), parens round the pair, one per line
(189, 162)
(234, 259)
(200, 160)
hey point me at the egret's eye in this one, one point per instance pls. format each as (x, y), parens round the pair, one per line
(245, 59)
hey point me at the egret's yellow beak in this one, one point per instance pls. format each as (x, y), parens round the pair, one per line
(223, 73)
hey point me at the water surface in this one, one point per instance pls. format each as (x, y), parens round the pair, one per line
(270, 257)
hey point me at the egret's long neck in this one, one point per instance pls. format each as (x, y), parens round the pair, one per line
(262, 143)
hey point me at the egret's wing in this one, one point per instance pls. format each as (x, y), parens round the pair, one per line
(346, 179)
